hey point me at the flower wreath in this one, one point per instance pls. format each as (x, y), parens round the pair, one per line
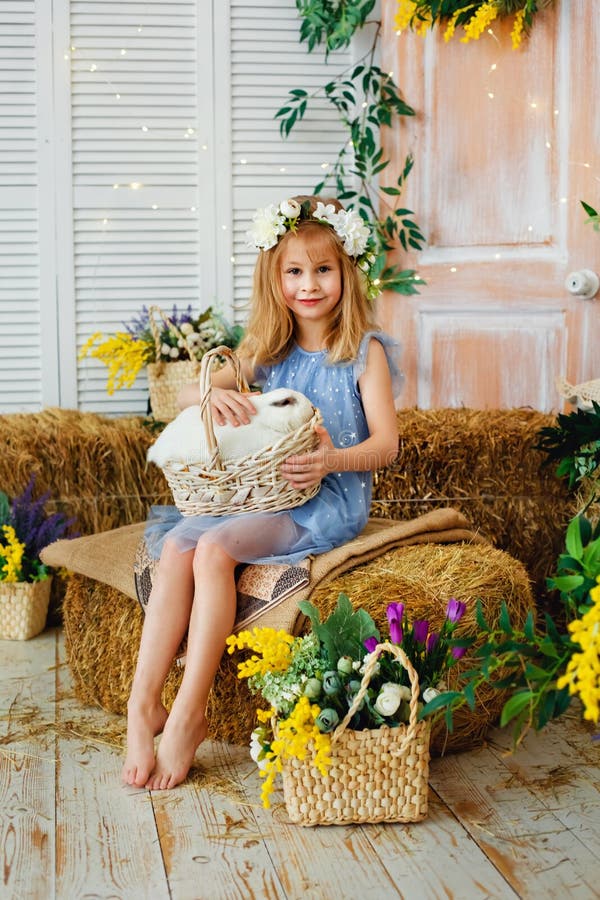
(271, 222)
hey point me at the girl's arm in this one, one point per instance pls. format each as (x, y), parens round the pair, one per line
(379, 449)
(227, 403)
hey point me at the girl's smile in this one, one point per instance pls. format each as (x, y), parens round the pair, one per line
(311, 277)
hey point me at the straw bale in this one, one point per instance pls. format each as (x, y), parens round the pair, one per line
(94, 466)
(483, 463)
(103, 628)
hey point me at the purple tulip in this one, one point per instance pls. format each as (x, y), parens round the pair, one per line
(370, 644)
(394, 613)
(420, 630)
(455, 610)
(432, 641)
(458, 652)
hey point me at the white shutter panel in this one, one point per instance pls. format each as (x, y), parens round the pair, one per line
(267, 60)
(20, 343)
(135, 150)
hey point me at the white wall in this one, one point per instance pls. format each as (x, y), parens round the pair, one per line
(136, 139)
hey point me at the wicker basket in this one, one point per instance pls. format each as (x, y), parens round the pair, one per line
(23, 608)
(165, 379)
(376, 775)
(249, 483)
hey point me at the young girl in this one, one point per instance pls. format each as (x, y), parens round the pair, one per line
(310, 329)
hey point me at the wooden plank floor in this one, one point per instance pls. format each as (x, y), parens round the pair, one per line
(524, 825)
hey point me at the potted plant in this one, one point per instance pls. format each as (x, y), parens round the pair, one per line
(169, 346)
(25, 529)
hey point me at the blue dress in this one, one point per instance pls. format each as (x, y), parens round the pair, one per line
(333, 516)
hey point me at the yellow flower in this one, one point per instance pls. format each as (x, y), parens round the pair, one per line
(477, 24)
(296, 736)
(516, 34)
(404, 14)
(450, 28)
(274, 647)
(11, 556)
(123, 354)
(583, 670)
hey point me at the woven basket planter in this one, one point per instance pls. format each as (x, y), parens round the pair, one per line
(23, 608)
(249, 483)
(376, 775)
(165, 379)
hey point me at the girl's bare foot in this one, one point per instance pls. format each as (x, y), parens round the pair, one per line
(143, 724)
(180, 740)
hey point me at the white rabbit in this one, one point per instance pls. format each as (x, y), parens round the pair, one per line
(278, 413)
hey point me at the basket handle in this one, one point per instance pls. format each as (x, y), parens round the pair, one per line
(152, 312)
(205, 391)
(399, 653)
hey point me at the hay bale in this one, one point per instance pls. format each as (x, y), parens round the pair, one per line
(483, 463)
(103, 628)
(94, 466)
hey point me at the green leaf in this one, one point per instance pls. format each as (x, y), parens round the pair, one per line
(344, 632)
(4, 509)
(504, 619)
(573, 540)
(529, 627)
(567, 582)
(514, 706)
(589, 209)
(480, 618)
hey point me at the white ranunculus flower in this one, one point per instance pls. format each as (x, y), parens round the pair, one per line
(353, 231)
(405, 692)
(174, 352)
(165, 349)
(289, 208)
(389, 699)
(186, 328)
(268, 225)
(429, 693)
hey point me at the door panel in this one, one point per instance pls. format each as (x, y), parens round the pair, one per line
(506, 146)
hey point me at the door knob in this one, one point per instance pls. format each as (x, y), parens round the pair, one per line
(583, 284)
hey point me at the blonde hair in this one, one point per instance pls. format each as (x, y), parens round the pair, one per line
(270, 333)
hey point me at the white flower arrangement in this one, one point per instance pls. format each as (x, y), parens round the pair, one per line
(271, 222)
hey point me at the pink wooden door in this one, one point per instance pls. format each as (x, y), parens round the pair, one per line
(506, 145)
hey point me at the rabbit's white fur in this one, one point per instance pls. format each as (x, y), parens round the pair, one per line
(278, 413)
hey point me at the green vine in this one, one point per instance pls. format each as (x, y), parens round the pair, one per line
(364, 99)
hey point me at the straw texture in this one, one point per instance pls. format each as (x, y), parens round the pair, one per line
(251, 483)
(103, 628)
(23, 609)
(376, 775)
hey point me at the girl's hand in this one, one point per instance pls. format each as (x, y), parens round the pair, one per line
(310, 468)
(231, 406)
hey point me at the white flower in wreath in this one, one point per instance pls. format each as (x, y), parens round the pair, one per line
(290, 209)
(268, 225)
(353, 231)
(326, 213)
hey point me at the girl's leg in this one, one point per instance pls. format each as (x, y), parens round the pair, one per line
(165, 623)
(211, 621)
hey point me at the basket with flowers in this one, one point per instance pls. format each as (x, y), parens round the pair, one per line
(170, 346)
(342, 726)
(25, 529)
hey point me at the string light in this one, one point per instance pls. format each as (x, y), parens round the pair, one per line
(453, 268)
(154, 206)
(135, 185)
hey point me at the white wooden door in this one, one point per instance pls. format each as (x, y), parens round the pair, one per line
(506, 145)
